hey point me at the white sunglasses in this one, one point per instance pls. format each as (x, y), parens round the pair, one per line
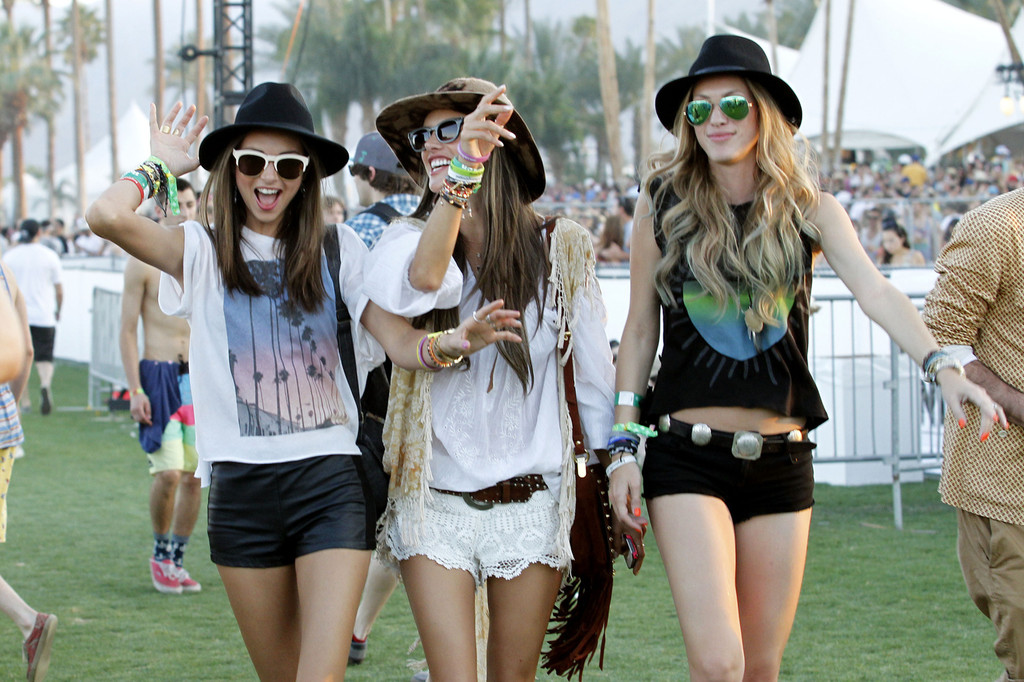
(288, 166)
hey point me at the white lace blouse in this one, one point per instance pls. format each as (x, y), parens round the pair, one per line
(485, 429)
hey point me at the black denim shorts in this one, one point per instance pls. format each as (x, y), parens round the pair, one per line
(42, 342)
(773, 484)
(266, 515)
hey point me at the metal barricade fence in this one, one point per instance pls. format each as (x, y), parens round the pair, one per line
(881, 411)
(105, 369)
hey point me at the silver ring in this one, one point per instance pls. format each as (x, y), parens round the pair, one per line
(477, 319)
(179, 131)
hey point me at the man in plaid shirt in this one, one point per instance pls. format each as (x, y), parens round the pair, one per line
(384, 188)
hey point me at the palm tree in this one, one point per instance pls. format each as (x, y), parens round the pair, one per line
(51, 129)
(647, 99)
(111, 91)
(28, 88)
(158, 58)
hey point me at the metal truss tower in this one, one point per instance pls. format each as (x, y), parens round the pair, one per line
(232, 57)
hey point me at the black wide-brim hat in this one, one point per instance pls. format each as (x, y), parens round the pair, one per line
(399, 118)
(728, 55)
(274, 106)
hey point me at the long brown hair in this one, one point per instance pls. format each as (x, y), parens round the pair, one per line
(515, 265)
(301, 233)
(766, 253)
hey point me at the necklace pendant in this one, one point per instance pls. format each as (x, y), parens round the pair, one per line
(753, 322)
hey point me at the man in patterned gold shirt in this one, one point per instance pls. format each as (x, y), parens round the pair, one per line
(976, 311)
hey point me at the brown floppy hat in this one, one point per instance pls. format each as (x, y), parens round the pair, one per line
(399, 118)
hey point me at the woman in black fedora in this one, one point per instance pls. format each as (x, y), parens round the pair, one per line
(458, 438)
(291, 516)
(727, 228)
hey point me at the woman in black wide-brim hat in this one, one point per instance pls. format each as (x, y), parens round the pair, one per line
(291, 512)
(727, 228)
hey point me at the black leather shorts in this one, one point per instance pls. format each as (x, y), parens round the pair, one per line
(773, 484)
(266, 515)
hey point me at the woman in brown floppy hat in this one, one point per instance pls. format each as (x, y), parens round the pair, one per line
(726, 231)
(291, 515)
(459, 437)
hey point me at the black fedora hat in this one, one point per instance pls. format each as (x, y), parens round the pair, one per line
(277, 106)
(728, 55)
(397, 119)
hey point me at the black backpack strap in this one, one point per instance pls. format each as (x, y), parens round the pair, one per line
(382, 210)
(346, 348)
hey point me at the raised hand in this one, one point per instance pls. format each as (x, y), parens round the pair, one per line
(484, 128)
(170, 138)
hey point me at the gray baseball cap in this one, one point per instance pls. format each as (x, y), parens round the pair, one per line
(373, 151)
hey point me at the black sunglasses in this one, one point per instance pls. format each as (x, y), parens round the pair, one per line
(288, 166)
(447, 130)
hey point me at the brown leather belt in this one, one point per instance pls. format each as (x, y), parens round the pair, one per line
(518, 489)
(794, 442)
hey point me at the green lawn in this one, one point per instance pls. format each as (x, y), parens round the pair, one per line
(877, 604)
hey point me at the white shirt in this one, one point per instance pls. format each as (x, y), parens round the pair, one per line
(38, 272)
(267, 381)
(485, 429)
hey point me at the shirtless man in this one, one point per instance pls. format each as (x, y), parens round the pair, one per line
(162, 405)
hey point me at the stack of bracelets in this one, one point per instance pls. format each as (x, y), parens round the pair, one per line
(154, 179)
(625, 438)
(463, 181)
(938, 360)
(430, 354)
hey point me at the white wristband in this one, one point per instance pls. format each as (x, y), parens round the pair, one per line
(625, 459)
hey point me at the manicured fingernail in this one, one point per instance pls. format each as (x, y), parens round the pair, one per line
(465, 345)
(984, 437)
(636, 511)
(962, 423)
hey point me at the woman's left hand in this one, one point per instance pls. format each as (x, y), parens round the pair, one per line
(170, 138)
(956, 389)
(484, 127)
(488, 325)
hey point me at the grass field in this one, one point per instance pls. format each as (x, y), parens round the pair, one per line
(877, 603)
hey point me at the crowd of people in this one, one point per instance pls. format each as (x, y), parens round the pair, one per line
(487, 314)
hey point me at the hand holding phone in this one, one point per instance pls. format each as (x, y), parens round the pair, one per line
(634, 554)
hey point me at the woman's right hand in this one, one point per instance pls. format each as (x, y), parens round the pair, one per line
(170, 142)
(484, 128)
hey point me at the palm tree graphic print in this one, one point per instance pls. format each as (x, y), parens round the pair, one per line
(284, 365)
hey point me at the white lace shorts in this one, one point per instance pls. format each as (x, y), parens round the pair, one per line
(499, 542)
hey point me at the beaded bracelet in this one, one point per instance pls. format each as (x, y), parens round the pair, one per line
(633, 427)
(624, 448)
(621, 461)
(469, 157)
(172, 184)
(139, 180)
(938, 361)
(457, 194)
(627, 399)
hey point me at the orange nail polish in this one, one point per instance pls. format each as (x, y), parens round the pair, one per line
(962, 423)
(984, 437)
(636, 511)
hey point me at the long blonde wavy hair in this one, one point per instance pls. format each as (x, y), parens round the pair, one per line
(765, 254)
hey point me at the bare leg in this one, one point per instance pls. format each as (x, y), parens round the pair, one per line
(771, 551)
(265, 602)
(45, 370)
(520, 610)
(380, 584)
(161, 499)
(696, 539)
(443, 606)
(329, 585)
(11, 603)
(186, 504)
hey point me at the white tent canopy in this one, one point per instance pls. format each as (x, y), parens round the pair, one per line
(920, 74)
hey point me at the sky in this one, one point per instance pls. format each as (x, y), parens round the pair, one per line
(133, 30)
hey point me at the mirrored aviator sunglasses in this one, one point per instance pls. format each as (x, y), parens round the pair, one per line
(447, 131)
(288, 166)
(735, 107)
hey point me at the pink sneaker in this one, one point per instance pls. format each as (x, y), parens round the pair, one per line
(165, 576)
(39, 645)
(188, 583)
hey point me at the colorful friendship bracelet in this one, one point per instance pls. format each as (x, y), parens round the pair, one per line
(633, 427)
(458, 194)
(172, 184)
(421, 358)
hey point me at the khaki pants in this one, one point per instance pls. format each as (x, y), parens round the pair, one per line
(992, 560)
